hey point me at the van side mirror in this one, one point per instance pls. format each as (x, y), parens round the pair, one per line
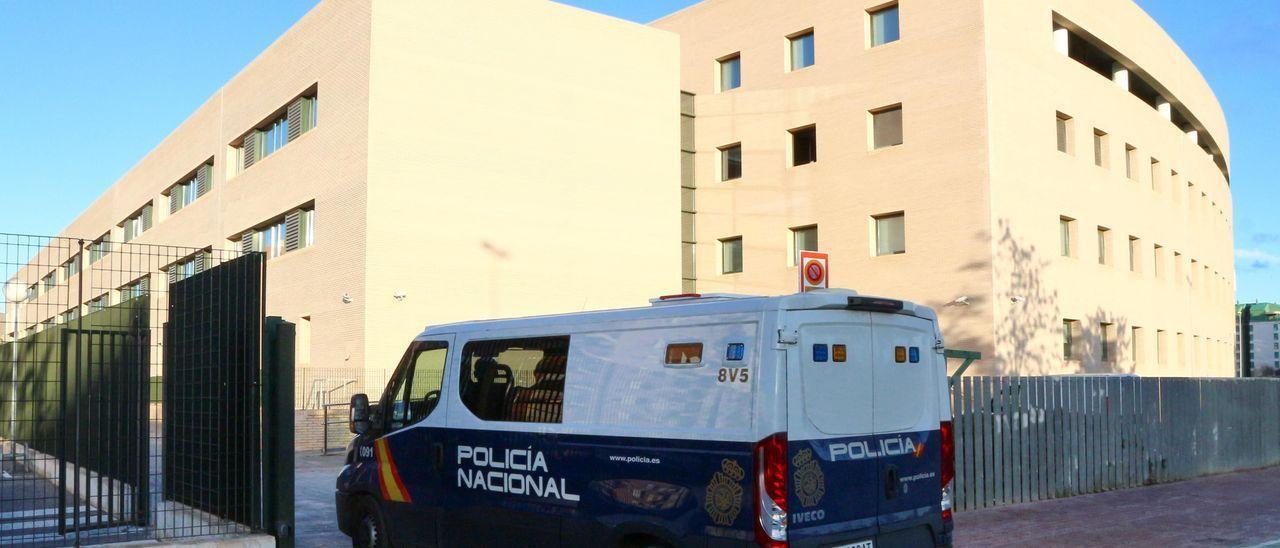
(358, 421)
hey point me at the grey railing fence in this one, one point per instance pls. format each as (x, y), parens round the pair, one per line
(1023, 439)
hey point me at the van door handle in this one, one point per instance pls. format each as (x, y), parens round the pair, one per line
(437, 455)
(891, 483)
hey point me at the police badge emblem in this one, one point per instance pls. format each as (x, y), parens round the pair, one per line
(724, 493)
(811, 483)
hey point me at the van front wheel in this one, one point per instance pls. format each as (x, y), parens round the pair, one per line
(370, 530)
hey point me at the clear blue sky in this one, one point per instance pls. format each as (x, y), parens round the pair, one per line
(88, 88)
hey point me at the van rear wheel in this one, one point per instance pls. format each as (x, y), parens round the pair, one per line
(370, 529)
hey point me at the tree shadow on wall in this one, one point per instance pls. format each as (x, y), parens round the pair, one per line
(1029, 319)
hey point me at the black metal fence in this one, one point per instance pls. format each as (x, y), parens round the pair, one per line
(130, 391)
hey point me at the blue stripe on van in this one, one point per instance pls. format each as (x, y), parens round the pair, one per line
(586, 487)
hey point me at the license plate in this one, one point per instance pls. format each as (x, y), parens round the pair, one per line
(859, 544)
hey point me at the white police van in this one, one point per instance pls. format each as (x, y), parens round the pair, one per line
(816, 419)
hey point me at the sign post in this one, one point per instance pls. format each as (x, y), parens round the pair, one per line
(813, 270)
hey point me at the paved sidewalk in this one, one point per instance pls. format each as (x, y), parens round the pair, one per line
(314, 510)
(1237, 510)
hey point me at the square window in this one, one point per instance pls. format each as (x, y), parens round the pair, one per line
(891, 234)
(886, 127)
(731, 255)
(801, 46)
(730, 72)
(803, 239)
(1065, 126)
(884, 25)
(731, 162)
(804, 145)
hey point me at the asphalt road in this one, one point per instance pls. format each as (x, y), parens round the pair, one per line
(1236, 510)
(314, 513)
(1232, 510)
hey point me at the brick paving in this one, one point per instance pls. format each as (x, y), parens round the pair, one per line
(1237, 510)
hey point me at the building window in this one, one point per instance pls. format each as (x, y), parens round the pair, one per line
(891, 234)
(1100, 140)
(1156, 172)
(71, 268)
(1157, 260)
(1162, 350)
(802, 54)
(193, 186)
(1066, 236)
(1135, 259)
(1177, 268)
(99, 304)
(136, 224)
(884, 25)
(804, 145)
(1065, 127)
(802, 239)
(300, 116)
(886, 127)
(1130, 162)
(189, 267)
(1070, 340)
(731, 255)
(49, 281)
(515, 380)
(730, 72)
(1104, 246)
(731, 162)
(1139, 345)
(134, 290)
(100, 248)
(289, 232)
(1108, 342)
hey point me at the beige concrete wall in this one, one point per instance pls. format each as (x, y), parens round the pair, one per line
(1032, 185)
(524, 159)
(329, 49)
(938, 176)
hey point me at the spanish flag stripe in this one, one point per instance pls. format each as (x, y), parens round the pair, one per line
(389, 478)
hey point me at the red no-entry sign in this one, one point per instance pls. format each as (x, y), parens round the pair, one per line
(813, 270)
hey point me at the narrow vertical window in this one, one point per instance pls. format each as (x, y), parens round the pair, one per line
(1108, 342)
(730, 72)
(891, 234)
(1157, 260)
(1064, 126)
(1070, 339)
(1135, 259)
(1139, 342)
(884, 25)
(1104, 245)
(731, 255)
(801, 46)
(730, 162)
(1066, 233)
(1131, 162)
(1100, 148)
(1156, 172)
(886, 127)
(804, 145)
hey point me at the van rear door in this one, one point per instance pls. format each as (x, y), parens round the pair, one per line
(906, 418)
(832, 470)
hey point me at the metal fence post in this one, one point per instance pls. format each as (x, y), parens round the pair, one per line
(278, 434)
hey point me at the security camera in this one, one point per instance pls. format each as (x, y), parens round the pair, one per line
(1017, 299)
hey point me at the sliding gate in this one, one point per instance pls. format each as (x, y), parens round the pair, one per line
(131, 393)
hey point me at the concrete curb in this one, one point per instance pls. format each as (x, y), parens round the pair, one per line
(225, 541)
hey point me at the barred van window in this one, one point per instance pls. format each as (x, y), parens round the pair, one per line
(515, 380)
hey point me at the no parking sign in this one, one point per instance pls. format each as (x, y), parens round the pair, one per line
(813, 270)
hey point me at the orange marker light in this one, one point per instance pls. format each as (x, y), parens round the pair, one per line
(838, 353)
(900, 354)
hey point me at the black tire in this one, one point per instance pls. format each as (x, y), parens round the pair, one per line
(368, 529)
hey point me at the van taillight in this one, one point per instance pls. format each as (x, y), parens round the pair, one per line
(771, 491)
(948, 468)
